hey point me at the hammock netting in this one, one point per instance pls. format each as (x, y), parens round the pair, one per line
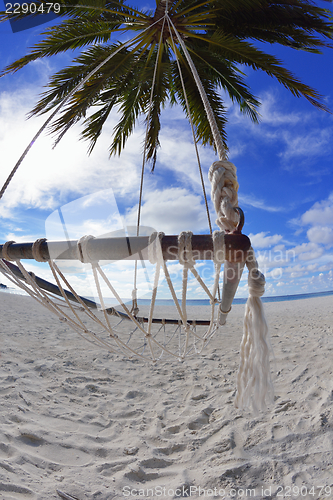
(123, 329)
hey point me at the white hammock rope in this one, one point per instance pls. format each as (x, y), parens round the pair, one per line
(254, 383)
(191, 124)
(209, 112)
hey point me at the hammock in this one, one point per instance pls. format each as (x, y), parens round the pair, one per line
(148, 336)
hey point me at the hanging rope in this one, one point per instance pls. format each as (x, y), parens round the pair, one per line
(254, 373)
(192, 127)
(135, 307)
(209, 112)
(223, 173)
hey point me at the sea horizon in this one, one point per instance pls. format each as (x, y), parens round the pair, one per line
(198, 302)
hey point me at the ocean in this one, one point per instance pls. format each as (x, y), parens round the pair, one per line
(198, 302)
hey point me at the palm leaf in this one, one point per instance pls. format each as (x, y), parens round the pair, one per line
(218, 35)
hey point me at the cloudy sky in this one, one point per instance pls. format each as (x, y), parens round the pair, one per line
(284, 169)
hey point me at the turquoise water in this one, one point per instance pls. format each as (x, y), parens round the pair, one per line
(205, 302)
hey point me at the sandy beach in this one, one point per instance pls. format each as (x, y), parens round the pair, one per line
(75, 419)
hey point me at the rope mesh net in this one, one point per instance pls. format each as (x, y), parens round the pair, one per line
(118, 329)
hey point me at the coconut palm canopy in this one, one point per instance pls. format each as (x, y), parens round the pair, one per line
(138, 53)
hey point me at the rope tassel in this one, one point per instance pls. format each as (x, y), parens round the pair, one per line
(254, 378)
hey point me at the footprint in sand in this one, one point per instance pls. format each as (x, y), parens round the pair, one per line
(175, 448)
(13, 489)
(173, 429)
(156, 463)
(58, 454)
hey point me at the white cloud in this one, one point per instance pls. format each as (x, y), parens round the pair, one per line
(326, 267)
(177, 154)
(276, 273)
(320, 213)
(46, 177)
(308, 251)
(315, 143)
(281, 283)
(171, 210)
(272, 115)
(321, 234)
(261, 240)
(253, 201)
(94, 214)
(297, 135)
(312, 267)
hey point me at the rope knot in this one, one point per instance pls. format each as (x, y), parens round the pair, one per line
(155, 254)
(218, 246)
(256, 283)
(185, 255)
(36, 250)
(223, 177)
(82, 251)
(5, 250)
(256, 280)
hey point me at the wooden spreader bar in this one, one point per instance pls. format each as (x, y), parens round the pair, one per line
(132, 248)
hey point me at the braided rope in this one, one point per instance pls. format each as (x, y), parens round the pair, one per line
(224, 187)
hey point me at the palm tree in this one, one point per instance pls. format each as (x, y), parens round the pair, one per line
(140, 75)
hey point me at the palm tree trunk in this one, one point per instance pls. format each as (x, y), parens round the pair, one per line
(160, 9)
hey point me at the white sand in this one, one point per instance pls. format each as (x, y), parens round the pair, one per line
(76, 420)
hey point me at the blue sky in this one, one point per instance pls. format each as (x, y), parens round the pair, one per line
(284, 169)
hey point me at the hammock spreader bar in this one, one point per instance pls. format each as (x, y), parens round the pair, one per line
(132, 248)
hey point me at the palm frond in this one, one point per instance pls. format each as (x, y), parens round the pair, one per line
(243, 52)
(220, 36)
(227, 76)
